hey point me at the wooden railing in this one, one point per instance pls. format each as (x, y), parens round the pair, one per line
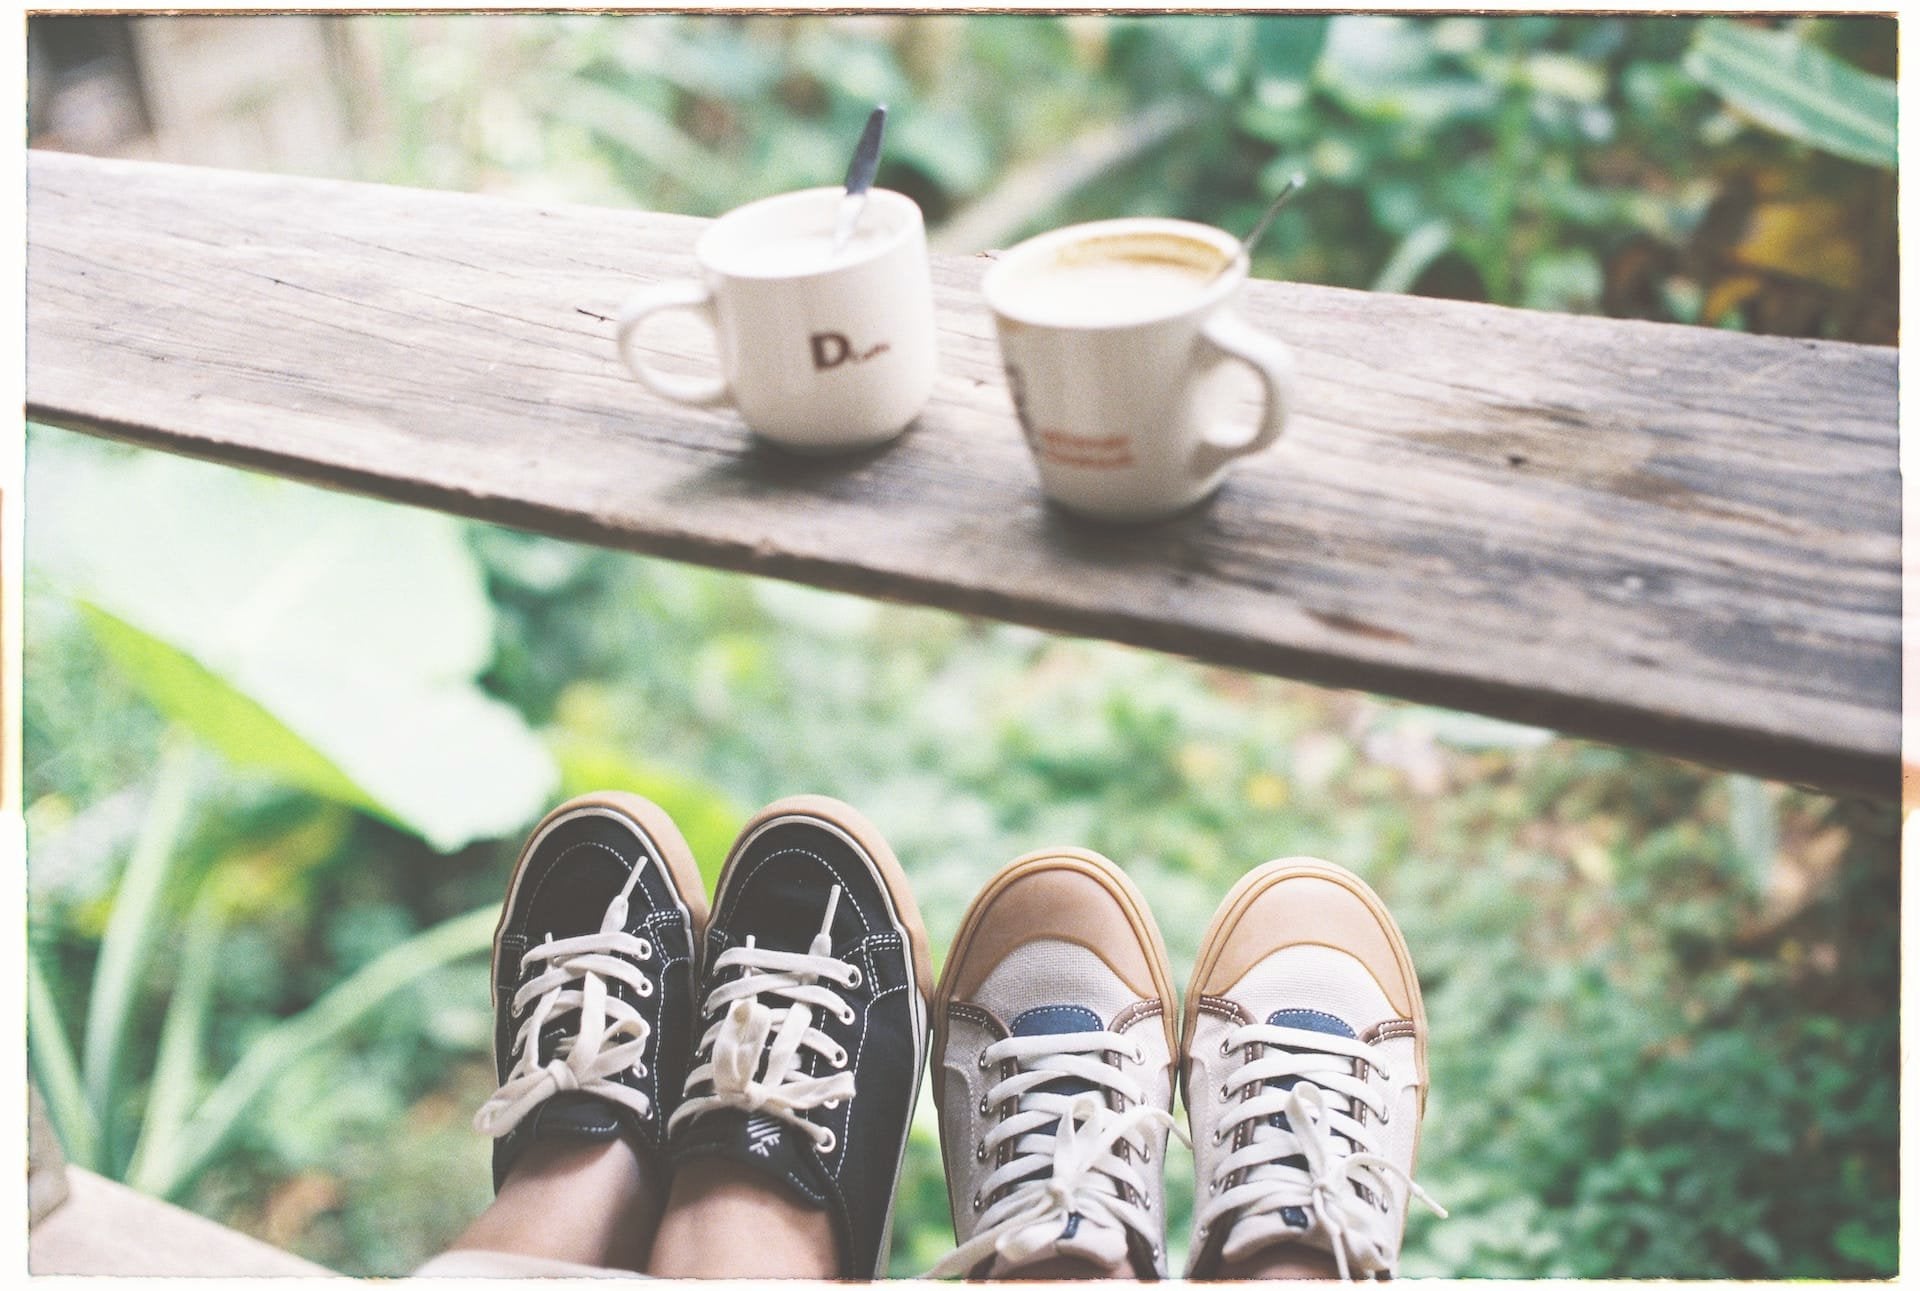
(1675, 538)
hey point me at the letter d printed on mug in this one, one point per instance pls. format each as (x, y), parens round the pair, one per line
(820, 351)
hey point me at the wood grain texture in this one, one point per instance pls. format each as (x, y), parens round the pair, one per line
(1666, 537)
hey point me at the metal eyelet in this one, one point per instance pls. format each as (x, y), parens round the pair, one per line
(839, 1059)
(853, 983)
(646, 989)
(646, 951)
(831, 1103)
(1219, 1137)
(1226, 1044)
(1213, 1186)
(640, 1068)
(983, 1060)
(978, 1202)
(825, 1147)
(980, 1153)
(1157, 1253)
(1146, 1156)
(1225, 1093)
(846, 1018)
(983, 1104)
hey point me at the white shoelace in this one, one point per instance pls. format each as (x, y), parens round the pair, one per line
(747, 1027)
(611, 1036)
(1358, 1228)
(1063, 1161)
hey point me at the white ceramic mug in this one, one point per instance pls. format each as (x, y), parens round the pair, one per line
(818, 352)
(1116, 393)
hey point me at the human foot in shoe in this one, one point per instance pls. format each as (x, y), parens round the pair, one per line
(814, 1006)
(593, 981)
(1305, 1075)
(1053, 1036)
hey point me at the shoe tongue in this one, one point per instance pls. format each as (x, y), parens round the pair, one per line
(1289, 1223)
(1058, 1019)
(1079, 1238)
(763, 1143)
(571, 1116)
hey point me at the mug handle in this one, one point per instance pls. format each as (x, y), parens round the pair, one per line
(693, 298)
(1232, 337)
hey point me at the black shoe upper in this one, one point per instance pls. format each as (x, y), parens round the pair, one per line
(776, 888)
(577, 865)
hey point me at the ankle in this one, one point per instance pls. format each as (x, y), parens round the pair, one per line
(584, 1203)
(1066, 1268)
(776, 1234)
(1282, 1260)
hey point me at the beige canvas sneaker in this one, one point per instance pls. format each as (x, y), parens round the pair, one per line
(1053, 1041)
(1304, 1069)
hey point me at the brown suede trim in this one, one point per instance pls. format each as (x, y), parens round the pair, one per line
(1392, 1028)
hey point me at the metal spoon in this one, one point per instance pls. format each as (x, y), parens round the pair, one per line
(866, 160)
(1247, 243)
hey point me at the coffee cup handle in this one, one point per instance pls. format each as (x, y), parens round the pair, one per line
(1232, 337)
(693, 298)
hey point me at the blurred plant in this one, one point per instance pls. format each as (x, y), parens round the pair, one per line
(332, 650)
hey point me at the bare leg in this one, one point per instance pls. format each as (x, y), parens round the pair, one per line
(1285, 1260)
(1063, 1268)
(596, 1203)
(725, 1220)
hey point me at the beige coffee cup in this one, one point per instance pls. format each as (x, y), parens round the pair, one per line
(1110, 334)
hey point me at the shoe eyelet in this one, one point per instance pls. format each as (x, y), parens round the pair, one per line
(983, 1105)
(830, 1104)
(839, 1059)
(1226, 1045)
(1219, 1137)
(826, 1145)
(646, 951)
(853, 982)
(1146, 1156)
(646, 989)
(846, 1018)
(1157, 1253)
(983, 1060)
(640, 1068)
(1213, 1186)
(1225, 1093)
(978, 1202)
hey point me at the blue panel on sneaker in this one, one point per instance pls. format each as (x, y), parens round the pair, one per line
(1310, 1020)
(1057, 1019)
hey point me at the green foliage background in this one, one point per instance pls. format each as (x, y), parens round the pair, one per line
(1663, 999)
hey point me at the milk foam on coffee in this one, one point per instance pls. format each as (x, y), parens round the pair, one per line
(1105, 282)
(798, 255)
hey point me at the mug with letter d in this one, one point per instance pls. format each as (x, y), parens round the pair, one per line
(819, 351)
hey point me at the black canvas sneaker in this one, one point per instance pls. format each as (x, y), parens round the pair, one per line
(815, 1014)
(593, 980)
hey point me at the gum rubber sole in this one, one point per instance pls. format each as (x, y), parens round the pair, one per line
(1109, 876)
(1250, 887)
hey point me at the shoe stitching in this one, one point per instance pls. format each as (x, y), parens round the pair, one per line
(870, 872)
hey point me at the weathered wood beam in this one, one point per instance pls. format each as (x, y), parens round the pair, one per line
(1667, 537)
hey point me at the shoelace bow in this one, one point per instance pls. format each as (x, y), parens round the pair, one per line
(748, 1027)
(1063, 1161)
(611, 1035)
(1339, 1151)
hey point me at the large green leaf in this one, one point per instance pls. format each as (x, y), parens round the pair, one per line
(1800, 90)
(327, 640)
